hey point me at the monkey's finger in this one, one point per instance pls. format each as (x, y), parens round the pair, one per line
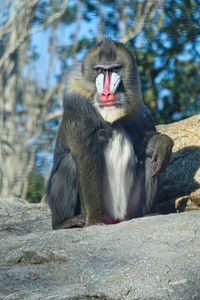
(158, 167)
(154, 156)
(164, 162)
(161, 164)
(155, 172)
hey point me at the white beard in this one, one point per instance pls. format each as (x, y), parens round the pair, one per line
(110, 114)
(119, 176)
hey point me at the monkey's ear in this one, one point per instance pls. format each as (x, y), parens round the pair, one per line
(130, 48)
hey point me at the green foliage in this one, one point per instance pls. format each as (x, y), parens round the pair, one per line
(170, 62)
(167, 52)
(35, 189)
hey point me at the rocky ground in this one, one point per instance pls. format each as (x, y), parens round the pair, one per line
(154, 257)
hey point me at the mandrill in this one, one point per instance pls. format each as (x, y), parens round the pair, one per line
(108, 154)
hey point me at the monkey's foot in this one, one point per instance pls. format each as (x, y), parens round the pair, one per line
(74, 222)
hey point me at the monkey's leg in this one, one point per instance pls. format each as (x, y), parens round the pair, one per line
(81, 126)
(88, 159)
(62, 192)
(79, 220)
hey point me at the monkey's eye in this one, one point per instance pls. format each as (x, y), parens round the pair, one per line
(98, 70)
(116, 69)
(106, 68)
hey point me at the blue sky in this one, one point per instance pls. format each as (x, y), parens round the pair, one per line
(40, 42)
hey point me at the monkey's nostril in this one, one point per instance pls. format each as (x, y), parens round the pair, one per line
(107, 96)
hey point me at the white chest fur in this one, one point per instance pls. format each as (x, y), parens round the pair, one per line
(119, 176)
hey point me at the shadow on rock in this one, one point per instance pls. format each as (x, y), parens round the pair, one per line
(180, 184)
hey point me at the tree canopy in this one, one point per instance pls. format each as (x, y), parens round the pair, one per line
(41, 40)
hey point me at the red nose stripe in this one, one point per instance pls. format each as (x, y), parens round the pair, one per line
(106, 87)
(107, 96)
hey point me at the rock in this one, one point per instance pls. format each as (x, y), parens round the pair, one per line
(182, 177)
(19, 216)
(146, 258)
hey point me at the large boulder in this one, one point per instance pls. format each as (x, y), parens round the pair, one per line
(181, 182)
(146, 258)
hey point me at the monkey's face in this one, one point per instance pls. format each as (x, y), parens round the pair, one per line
(111, 71)
(108, 84)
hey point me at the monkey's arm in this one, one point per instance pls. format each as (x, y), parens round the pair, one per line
(157, 152)
(158, 147)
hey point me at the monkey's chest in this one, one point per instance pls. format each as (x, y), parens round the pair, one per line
(119, 175)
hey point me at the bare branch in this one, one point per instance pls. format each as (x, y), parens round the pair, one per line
(27, 33)
(48, 97)
(52, 19)
(144, 10)
(6, 28)
(11, 23)
(54, 115)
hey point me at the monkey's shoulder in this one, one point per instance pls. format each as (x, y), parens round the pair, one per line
(74, 103)
(141, 124)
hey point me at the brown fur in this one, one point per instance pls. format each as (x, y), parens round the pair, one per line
(79, 159)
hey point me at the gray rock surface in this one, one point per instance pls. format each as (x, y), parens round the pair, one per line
(155, 257)
(182, 176)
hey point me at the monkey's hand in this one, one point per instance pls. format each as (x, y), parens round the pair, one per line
(105, 134)
(159, 149)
